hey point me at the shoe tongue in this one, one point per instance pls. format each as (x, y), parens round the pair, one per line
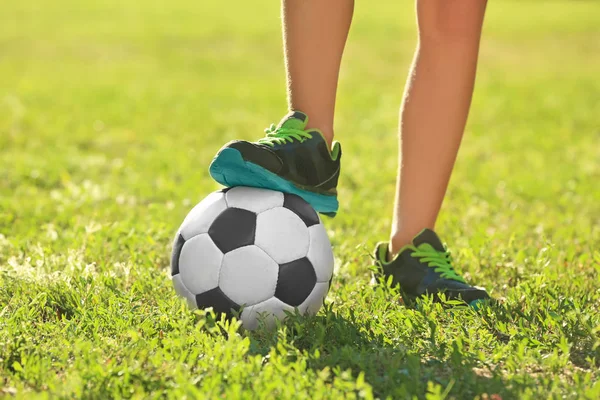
(294, 120)
(430, 237)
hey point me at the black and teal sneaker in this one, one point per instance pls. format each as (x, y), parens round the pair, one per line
(288, 159)
(425, 268)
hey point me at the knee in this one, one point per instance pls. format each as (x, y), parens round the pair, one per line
(450, 21)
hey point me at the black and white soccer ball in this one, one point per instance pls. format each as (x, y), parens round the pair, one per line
(256, 250)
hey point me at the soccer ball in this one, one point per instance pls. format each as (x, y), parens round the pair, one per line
(256, 250)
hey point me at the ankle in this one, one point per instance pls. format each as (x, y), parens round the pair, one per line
(401, 238)
(396, 244)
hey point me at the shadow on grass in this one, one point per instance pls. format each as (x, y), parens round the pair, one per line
(338, 343)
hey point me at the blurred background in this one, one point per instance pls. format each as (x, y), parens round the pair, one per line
(110, 112)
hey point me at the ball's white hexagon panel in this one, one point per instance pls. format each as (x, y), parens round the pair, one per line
(183, 291)
(320, 253)
(269, 310)
(202, 215)
(282, 235)
(253, 199)
(315, 300)
(199, 264)
(248, 275)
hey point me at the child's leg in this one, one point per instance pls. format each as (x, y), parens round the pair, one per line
(315, 33)
(434, 112)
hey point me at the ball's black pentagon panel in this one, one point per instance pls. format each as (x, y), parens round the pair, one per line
(296, 281)
(233, 228)
(216, 299)
(202, 215)
(301, 208)
(177, 246)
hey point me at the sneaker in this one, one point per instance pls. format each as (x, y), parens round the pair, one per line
(288, 159)
(425, 268)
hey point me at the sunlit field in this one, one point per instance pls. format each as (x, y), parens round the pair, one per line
(110, 112)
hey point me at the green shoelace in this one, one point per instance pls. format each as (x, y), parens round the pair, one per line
(275, 135)
(441, 261)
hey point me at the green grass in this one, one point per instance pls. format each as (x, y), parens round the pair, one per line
(109, 114)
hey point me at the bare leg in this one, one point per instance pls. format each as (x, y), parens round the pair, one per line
(434, 111)
(315, 33)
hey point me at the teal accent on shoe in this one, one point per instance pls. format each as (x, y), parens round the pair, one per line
(230, 169)
(478, 304)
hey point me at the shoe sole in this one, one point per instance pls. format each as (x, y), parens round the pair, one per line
(411, 300)
(230, 169)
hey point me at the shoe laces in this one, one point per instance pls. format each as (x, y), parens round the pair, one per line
(280, 135)
(440, 261)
